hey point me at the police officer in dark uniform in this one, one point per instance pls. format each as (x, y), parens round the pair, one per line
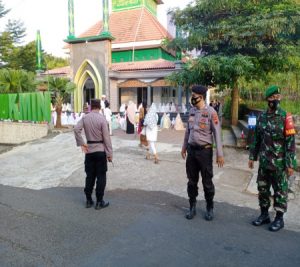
(98, 150)
(203, 126)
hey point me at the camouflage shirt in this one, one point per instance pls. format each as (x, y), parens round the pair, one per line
(276, 149)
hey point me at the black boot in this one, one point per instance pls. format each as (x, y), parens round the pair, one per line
(192, 212)
(101, 204)
(89, 203)
(209, 214)
(263, 218)
(278, 222)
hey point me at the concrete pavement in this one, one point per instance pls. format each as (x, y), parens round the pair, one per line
(50, 227)
(44, 222)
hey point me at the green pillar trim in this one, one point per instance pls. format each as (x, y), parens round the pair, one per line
(38, 45)
(71, 19)
(105, 31)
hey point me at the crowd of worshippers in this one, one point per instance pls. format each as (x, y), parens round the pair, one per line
(129, 118)
(216, 105)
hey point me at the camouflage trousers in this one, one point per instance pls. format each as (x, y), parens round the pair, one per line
(278, 180)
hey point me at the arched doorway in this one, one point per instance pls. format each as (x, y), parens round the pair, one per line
(86, 73)
(88, 91)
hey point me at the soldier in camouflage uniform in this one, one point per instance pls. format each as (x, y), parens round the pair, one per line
(274, 143)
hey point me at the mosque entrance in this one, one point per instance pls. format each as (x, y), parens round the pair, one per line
(142, 95)
(88, 91)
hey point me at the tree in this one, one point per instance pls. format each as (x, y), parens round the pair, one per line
(15, 56)
(62, 88)
(237, 39)
(16, 81)
(20, 57)
(10, 39)
(16, 29)
(3, 11)
(53, 62)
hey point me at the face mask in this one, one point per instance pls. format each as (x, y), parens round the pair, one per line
(273, 104)
(195, 100)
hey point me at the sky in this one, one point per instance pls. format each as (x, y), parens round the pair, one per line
(51, 18)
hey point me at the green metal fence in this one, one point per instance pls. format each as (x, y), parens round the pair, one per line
(34, 107)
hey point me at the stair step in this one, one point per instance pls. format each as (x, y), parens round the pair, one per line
(243, 126)
(237, 133)
(228, 138)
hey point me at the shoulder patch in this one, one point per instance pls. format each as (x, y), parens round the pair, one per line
(215, 118)
(289, 128)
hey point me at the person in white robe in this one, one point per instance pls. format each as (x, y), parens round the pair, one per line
(178, 123)
(150, 125)
(167, 122)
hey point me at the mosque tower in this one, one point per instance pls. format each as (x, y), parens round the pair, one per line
(123, 56)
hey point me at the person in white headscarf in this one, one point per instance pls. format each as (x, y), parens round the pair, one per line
(178, 123)
(102, 103)
(162, 120)
(122, 109)
(167, 122)
(130, 117)
(150, 124)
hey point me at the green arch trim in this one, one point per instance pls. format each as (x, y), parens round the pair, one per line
(81, 76)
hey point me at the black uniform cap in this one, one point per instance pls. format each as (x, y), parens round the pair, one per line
(95, 103)
(199, 89)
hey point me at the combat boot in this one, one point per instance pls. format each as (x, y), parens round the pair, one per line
(192, 212)
(101, 204)
(263, 218)
(89, 203)
(278, 222)
(209, 214)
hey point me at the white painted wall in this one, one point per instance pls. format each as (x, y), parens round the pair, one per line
(18, 133)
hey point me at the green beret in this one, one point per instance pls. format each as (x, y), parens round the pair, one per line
(272, 90)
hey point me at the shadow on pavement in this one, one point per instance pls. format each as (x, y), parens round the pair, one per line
(51, 227)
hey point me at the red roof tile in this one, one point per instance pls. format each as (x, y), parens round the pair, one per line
(62, 71)
(143, 65)
(131, 26)
(123, 66)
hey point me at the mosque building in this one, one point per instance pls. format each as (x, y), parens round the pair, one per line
(123, 57)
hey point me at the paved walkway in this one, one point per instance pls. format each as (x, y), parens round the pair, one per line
(44, 222)
(50, 227)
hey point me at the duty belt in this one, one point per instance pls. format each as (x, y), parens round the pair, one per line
(200, 147)
(95, 142)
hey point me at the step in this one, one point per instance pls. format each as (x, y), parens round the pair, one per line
(243, 125)
(228, 138)
(237, 133)
(298, 154)
(297, 140)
